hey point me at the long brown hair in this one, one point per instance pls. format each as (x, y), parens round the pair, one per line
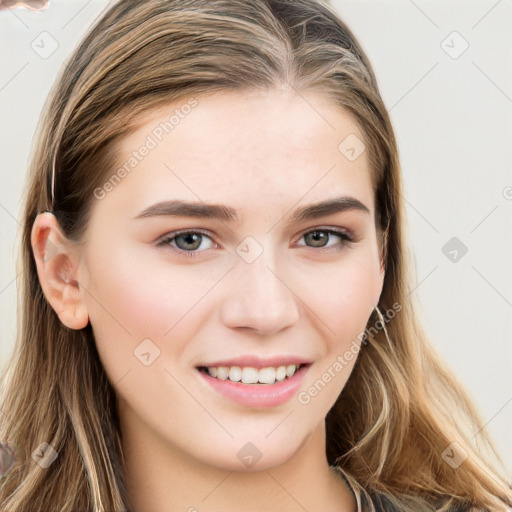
(401, 407)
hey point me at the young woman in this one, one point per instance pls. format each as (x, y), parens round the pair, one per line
(215, 312)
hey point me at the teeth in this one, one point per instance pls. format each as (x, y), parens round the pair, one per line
(235, 373)
(251, 375)
(266, 375)
(281, 373)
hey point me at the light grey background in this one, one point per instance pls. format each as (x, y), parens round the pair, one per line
(452, 113)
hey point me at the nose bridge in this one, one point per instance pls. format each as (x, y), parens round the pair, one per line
(258, 296)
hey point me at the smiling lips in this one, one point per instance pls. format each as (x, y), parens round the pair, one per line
(256, 394)
(254, 369)
(256, 382)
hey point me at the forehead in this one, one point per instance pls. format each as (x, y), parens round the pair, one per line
(270, 146)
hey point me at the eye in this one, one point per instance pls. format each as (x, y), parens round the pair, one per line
(319, 236)
(185, 242)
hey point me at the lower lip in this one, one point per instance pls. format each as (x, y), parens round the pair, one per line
(257, 395)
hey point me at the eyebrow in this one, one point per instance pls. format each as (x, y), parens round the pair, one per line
(180, 208)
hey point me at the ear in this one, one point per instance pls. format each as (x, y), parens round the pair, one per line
(57, 261)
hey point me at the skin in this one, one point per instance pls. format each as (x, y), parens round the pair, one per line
(264, 154)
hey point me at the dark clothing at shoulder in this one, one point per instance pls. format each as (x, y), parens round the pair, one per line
(383, 503)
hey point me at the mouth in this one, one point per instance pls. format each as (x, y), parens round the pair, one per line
(266, 387)
(250, 375)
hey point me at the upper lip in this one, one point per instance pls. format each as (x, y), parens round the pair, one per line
(258, 362)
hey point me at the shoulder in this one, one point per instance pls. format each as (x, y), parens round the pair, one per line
(380, 502)
(377, 502)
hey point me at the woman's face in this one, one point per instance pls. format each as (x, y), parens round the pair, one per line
(253, 285)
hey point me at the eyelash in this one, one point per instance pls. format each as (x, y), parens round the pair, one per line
(346, 240)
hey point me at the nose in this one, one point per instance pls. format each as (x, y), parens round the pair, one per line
(259, 298)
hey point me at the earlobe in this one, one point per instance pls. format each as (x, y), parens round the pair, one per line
(56, 260)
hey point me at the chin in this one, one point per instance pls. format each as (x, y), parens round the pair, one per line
(250, 454)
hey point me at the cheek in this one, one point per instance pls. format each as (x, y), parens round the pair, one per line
(139, 290)
(346, 297)
(140, 294)
(341, 309)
